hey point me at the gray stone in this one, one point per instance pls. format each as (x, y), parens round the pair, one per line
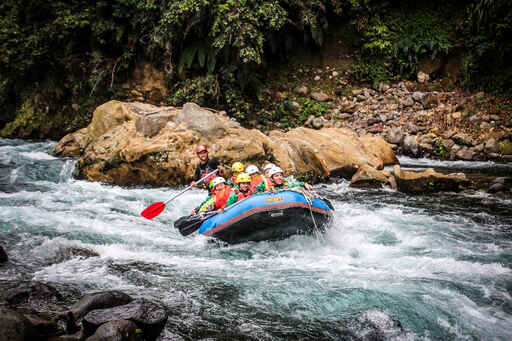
(408, 102)
(410, 145)
(121, 330)
(317, 123)
(463, 139)
(491, 146)
(201, 120)
(15, 327)
(320, 96)
(423, 77)
(147, 315)
(418, 96)
(465, 154)
(99, 300)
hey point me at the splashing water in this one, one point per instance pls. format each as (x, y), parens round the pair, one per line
(391, 267)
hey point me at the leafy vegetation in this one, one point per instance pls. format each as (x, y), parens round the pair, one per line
(61, 59)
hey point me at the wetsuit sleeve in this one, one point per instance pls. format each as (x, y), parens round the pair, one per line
(260, 188)
(232, 199)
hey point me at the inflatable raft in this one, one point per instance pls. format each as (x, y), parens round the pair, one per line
(265, 216)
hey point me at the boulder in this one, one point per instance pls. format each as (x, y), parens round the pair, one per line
(418, 96)
(3, 255)
(147, 315)
(150, 125)
(497, 187)
(463, 139)
(121, 330)
(43, 325)
(15, 327)
(72, 144)
(98, 300)
(31, 294)
(368, 177)
(317, 123)
(427, 181)
(423, 77)
(465, 154)
(125, 156)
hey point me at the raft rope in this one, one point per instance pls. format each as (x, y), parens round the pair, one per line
(309, 199)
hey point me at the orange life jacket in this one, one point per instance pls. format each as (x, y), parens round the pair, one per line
(258, 180)
(221, 198)
(242, 195)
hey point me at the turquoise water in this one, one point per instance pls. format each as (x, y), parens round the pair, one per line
(392, 267)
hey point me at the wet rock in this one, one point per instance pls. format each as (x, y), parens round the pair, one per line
(15, 327)
(43, 325)
(147, 315)
(505, 180)
(427, 181)
(32, 294)
(3, 255)
(72, 144)
(320, 96)
(121, 330)
(99, 300)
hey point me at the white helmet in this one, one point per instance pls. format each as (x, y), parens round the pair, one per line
(275, 170)
(218, 180)
(252, 169)
(268, 166)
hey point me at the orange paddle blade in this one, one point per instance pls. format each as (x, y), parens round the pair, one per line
(152, 211)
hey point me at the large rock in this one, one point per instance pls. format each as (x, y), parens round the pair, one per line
(125, 155)
(368, 177)
(395, 135)
(427, 181)
(411, 145)
(122, 330)
(99, 300)
(15, 327)
(31, 294)
(147, 315)
(72, 144)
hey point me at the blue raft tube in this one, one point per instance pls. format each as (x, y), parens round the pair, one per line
(264, 216)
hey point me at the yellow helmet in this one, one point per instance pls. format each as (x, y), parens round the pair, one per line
(243, 177)
(238, 167)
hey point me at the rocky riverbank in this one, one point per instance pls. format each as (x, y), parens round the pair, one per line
(34, 310)
(419, 122)
(135, 143)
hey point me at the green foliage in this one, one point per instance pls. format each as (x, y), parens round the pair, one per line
(204, 91)
(488, 35)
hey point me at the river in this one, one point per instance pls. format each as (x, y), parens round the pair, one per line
(392, 266)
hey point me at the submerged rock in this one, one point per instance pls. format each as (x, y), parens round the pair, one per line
(147, 315)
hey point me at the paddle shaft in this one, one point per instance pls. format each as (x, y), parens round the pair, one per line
(189, 187)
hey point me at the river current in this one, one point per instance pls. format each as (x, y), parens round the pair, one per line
(391, 267)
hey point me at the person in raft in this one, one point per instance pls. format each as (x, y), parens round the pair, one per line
(243, 188)
(221, 197)
(259, 183)
(267, 169)
(238, 168)
(206, 165)
(279, 182)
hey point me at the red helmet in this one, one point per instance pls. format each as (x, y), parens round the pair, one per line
(201, 149)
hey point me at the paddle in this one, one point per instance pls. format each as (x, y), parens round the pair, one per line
(155, 209)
